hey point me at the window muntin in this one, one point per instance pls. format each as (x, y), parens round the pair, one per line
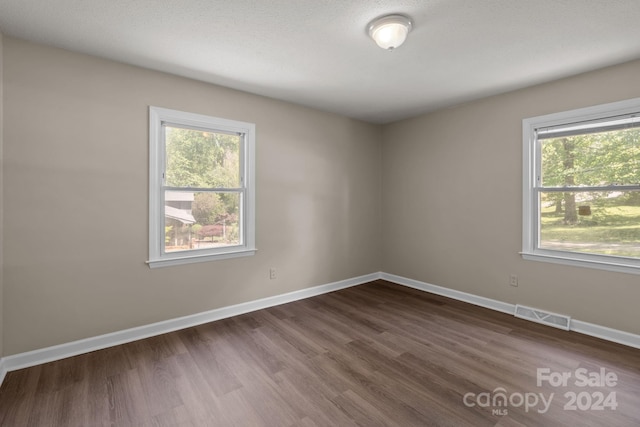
(582, 186)
(201, 188)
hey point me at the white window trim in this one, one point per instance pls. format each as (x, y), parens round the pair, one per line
(158, 116)
(530, 164)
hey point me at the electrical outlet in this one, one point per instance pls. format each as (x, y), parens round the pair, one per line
(513, 280)
(272, 273)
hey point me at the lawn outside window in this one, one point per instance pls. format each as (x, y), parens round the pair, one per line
(581, 187)
(201, 188)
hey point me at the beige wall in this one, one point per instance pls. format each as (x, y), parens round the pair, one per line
(76, 183)
(452, 202)
(75, 190)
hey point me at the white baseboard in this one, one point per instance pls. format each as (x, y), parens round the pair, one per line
(609, 334)
(3, 370)
(62, 351)
(603, 332)
(451, 293)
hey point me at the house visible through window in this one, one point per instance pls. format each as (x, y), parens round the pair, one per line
(201, 188)
(582, 186)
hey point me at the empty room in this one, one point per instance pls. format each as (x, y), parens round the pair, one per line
(341, 213)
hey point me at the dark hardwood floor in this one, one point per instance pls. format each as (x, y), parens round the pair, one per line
(373, 355)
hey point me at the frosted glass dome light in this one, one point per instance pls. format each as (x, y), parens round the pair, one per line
(390, 31)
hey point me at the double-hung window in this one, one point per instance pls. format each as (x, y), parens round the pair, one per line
(581, 202)
(201, 188)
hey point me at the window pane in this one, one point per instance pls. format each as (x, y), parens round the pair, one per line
(201, 220)
(594, 159)
(606, 223)
(196, 158)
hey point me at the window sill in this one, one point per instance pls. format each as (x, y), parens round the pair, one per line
(615, 264)
(190, 259)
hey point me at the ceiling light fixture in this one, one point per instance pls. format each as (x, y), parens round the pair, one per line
(390, 31)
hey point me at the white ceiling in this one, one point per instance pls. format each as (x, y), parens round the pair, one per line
(317, 52)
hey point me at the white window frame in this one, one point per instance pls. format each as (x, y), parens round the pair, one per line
(531, 164)
(159, 116)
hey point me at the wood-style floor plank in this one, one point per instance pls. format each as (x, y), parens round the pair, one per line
(373, 355)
